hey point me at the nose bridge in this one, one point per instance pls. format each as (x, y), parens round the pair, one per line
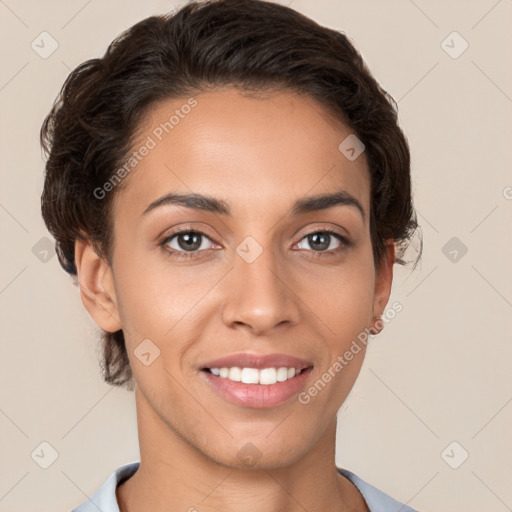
(259, 297)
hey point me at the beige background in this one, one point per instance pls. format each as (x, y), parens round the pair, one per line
(439, 372)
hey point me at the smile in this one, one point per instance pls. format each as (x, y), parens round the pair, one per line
(264, 376)
(256, 388)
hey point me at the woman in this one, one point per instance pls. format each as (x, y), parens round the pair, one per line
(231, 190)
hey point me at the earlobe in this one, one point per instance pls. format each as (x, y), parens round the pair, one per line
(383, 283)
(96, 286)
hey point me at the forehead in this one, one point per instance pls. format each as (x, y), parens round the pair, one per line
(255, 151)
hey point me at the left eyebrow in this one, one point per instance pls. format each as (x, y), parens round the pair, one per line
(214, 205)
(324, 201)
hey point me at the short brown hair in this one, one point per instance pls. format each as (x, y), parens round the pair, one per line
(251, 44)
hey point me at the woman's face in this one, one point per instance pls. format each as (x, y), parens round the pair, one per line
(260, 276)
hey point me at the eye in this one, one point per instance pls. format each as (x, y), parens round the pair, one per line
(185, 243)
(321, 241)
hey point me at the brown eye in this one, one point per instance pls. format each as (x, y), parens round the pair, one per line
(186, 241)
(323, 242)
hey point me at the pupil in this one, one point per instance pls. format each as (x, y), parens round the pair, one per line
(315, 238)
(191, 241)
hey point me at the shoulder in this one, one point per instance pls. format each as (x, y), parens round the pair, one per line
(105, 497)
(377, 500)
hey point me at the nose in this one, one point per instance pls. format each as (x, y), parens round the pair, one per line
(259, 294)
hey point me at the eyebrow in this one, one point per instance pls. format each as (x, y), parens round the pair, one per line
(214, 205)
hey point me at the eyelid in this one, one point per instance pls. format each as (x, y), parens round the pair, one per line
(185, 229)
(328, 229)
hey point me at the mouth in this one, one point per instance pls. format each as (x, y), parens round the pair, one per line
(256, 387)
(263, 376)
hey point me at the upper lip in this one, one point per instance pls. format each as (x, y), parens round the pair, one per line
(247, 360)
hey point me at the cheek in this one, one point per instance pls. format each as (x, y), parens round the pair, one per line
(342, 296)
(349, 299)
(163, 301)
(346, 314)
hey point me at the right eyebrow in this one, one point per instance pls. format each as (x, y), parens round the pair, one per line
(193, 201)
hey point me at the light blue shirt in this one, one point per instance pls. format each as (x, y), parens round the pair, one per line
(104, 500)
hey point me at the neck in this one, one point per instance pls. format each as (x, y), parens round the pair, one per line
(175, 475)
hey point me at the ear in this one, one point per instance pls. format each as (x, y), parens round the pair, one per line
(96, 283)
(383, 282)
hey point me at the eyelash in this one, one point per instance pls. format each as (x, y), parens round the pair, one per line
(184, 255)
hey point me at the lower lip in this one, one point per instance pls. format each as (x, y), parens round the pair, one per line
(258, 396)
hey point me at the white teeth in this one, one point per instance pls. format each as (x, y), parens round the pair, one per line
(235, 374)
(282, 374)
(268, 376)
(264, 376)
(250, 375)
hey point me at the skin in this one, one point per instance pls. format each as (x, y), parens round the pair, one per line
(258, 154)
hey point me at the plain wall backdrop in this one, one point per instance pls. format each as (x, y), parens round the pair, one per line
(436, 384)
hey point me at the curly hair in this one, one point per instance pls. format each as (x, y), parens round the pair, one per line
(248, 44)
